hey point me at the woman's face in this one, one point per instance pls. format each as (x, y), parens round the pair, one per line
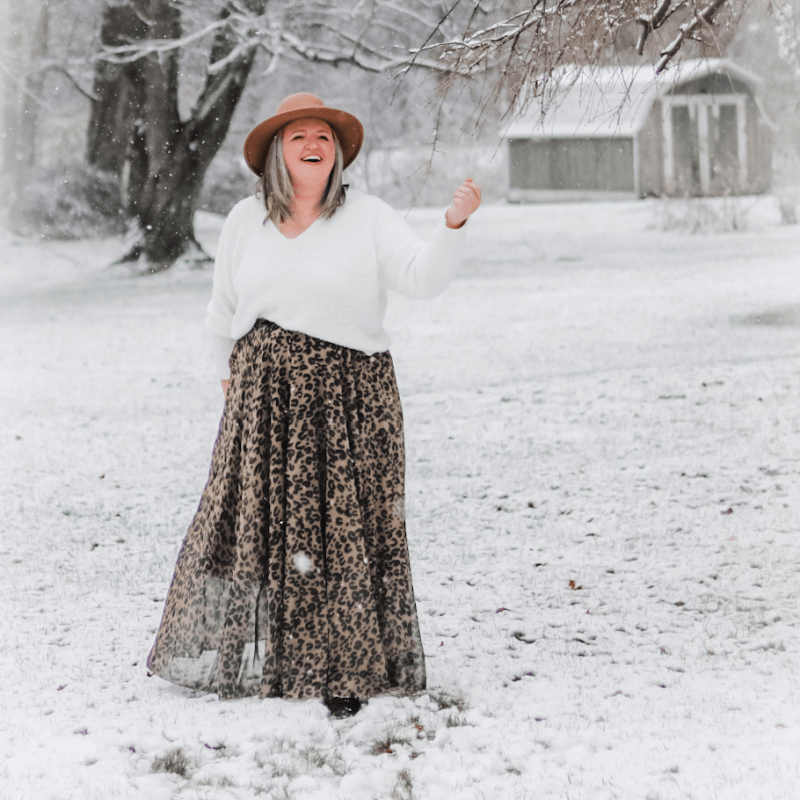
(308, 151)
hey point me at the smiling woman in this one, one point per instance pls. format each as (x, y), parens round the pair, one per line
(294, 578)
(304, 163)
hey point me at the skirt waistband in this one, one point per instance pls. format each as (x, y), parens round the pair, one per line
(267, 325)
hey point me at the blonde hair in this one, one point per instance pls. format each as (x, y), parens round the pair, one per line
(275, 183)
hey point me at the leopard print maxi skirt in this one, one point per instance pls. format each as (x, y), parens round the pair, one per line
(294, 580)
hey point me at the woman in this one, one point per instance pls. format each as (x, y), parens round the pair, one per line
(293, 580)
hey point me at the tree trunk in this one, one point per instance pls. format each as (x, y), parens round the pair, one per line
(136, 130)
(25, 42)
(34, 83)
(12, 167)
(119, 92)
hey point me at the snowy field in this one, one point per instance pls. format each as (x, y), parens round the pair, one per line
(603, 431)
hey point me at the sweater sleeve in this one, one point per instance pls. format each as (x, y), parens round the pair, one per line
(412, 267)
(222, 307)
(221, 348)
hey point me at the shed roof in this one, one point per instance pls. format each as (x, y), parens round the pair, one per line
(609, 101)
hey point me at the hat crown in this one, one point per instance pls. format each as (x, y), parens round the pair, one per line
(297, 101)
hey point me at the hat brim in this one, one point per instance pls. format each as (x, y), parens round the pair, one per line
(348, 130)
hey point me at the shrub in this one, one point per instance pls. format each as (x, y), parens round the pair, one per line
(225, 184)
(703, 214)
(73, 202)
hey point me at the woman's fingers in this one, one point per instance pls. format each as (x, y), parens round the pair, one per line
(468, 196)
(466, 200)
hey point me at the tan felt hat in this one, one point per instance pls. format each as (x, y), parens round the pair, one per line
(300, 106)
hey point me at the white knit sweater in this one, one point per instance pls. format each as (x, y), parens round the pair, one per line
(331, 281)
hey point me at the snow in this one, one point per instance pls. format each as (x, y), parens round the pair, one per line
(303, 563)
(603, 442)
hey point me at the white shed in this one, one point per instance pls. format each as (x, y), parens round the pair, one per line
(697, 129)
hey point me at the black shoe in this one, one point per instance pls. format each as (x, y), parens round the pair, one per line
(341, 707)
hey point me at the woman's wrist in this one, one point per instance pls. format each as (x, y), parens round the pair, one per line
(453, 224)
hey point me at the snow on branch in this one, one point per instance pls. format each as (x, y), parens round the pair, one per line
(476, 50)
(522, 42)
(703, 17)
(415, 54)
(128, 53)
(238, 52)
(652, 22)
(345, 40)
(336, 55)
(508, 28)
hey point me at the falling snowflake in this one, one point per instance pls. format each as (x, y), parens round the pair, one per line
(399, 508)
(303, 563)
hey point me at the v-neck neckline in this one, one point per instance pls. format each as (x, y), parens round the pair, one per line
(299, 235)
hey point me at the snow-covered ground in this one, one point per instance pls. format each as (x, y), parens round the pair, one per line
(603, 434)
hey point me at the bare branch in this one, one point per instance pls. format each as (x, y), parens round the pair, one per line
(651, 22)
(408, 11)
(71, 78)
(433, 33)
(686, 31)
(332, 55)
(209, 100)
(128, 53)
(484, 45)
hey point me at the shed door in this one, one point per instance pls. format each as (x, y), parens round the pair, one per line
(705, 149)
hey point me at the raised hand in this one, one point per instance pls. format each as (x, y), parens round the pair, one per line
(466, 200)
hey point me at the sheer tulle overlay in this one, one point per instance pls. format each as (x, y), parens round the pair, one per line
(294, 579)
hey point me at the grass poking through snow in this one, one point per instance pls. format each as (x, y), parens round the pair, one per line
(174, 761)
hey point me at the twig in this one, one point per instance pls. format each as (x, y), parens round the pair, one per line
(72, 80)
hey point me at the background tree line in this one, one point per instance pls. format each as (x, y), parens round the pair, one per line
(161, 83)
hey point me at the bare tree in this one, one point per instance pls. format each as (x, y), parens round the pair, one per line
(136, 129)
